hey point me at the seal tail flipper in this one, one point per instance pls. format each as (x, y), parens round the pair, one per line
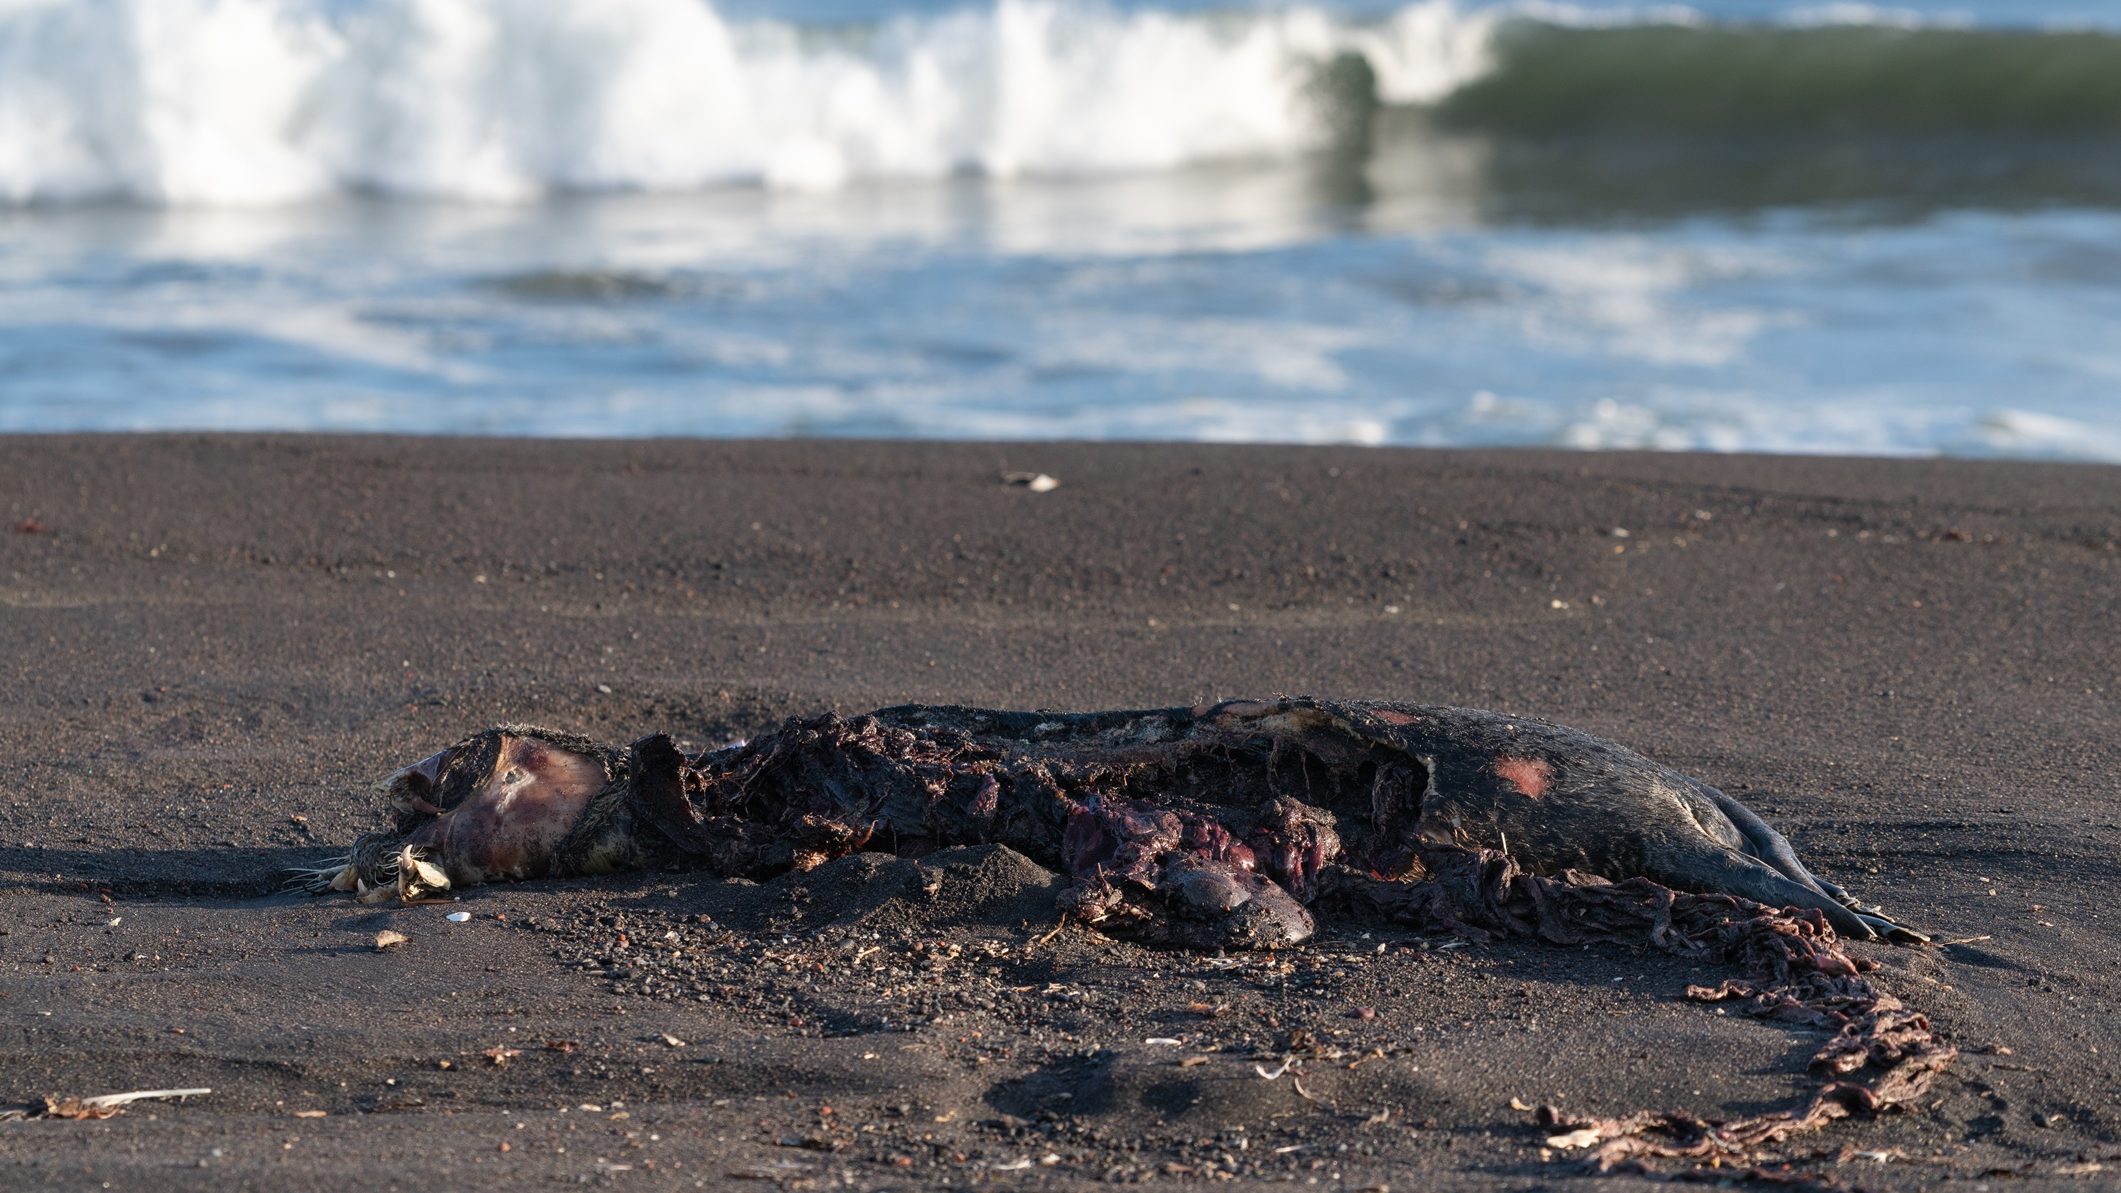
(1725, 870)
(1768, 845)
(1774, 849)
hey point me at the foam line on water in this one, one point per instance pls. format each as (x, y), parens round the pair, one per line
(266, 101)
(259, 101)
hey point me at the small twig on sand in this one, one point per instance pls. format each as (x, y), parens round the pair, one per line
(100, 1106)
(1048, 936)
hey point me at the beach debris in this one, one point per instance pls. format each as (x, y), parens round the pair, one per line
(1037, 482)
(501, 1054)
(458, 917)
(310, 1114)
(31, 526)
(1584, 1137)
(101, 1106)
(387, 939)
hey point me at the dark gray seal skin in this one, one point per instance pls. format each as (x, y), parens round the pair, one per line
(1224, 825)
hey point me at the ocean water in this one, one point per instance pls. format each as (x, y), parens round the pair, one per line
(1728, 226)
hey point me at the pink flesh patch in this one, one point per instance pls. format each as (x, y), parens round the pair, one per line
(1390, 717)
(511, 823)
(1529, 775)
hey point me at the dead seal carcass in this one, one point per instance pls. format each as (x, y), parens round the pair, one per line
(1217, 826)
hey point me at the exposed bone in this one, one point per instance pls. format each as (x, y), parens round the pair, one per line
(417, 876)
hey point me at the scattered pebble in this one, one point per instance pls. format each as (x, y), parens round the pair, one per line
(459, 917)
(1037, 482)
(387, 939)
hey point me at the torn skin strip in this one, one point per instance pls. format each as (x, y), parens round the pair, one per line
(1883, 1057)
(1530, 776)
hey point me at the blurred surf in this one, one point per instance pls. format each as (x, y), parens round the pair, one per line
(264, 101)
(1732, 226)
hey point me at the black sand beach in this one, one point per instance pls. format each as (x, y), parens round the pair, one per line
(212, 646)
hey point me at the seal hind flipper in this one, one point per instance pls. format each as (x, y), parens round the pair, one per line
(1725, 870)
(1771, 847)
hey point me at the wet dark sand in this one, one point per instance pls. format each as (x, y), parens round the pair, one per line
(212, 645)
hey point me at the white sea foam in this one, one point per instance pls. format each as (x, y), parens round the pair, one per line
(263, 101)
(259, 101)
(1634, 298)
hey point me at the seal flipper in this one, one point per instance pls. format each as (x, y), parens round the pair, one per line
(1770, 846)
(1774, 849)
(1734, 873)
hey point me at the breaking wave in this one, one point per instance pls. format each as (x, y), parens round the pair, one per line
(262, 101)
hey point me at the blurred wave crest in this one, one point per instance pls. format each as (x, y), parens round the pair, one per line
(262, 101)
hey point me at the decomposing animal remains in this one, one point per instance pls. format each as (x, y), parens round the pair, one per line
(1232, 825)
